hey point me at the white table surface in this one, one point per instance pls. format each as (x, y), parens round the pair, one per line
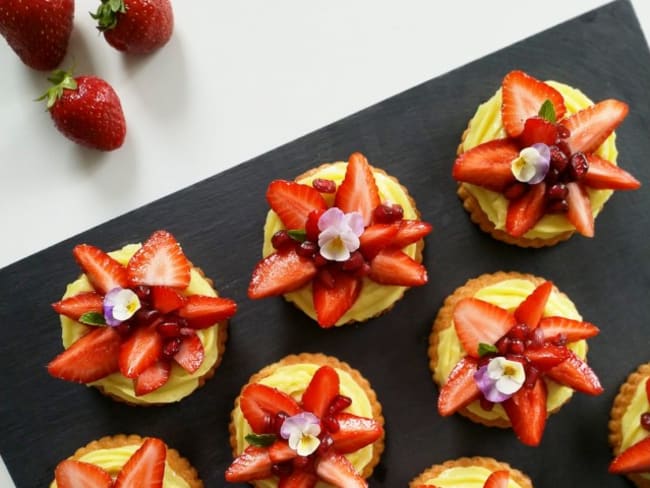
(236, 80)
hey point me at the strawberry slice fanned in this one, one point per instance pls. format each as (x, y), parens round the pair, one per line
(152, 378)
(293, 202)
(572, 330)
(522, 98)
(146, 467)
(393, 267)
(576, 374)
(526, 211)
(355, 433)
(252, 464)
(204, 311)
(498, 479)
(477, 321)
(77, 305)
(166, 299)
(531, 310)
(140, 351)
(635, 459)
(358, 192)
(322, 389)
(603, 174)
(579, 213)
(103, 272)
(377, 237)
(410, 231)
(460, 389)
(191, 353)
(336, 469)
(487, 165)
(280, 452)
(90, 358)
(591, 126)
(279, 273)
(77, 474)
(547, 356)
(259, 402)
(159, 262)
(333, 299)
(526, 410)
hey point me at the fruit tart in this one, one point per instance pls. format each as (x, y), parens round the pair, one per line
(538, 161)
(474, 472)
(343, 242)
(126, 462)
(507, 349)
(307, 420)
(629, 428)
(141, 324)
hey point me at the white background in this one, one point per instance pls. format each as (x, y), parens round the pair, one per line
(237, 79)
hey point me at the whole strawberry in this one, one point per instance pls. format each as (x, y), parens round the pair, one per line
(135, 26)
(86, 110)
(37, 30)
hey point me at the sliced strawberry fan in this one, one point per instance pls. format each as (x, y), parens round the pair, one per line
(532, 113)
(161, 327)
(525, 336)
(299, 259)
(267, 410)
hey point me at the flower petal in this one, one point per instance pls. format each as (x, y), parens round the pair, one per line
(331, 217)
(354, 220)
(335, 250)
(307, 445)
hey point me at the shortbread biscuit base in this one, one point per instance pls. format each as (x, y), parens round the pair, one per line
(466, 462)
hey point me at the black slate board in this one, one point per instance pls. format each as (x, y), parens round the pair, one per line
(412, 136)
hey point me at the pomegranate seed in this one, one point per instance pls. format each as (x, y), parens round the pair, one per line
(187, 331)
(388, 212)
(146, 316)
(326, 278)
(311, 227)
(516, 190)
(171, 347)
(123, 329)
(282, 469)
(268, 424)
(324, 186)
(563, 131)
(519, 331)
(578, 166)
(301, 462)
(307, 249)
(143, 292)
(537, 339)
(558, 191)
(558, 206)
(169, 328)
(559, 160)
(282, 240)
(517, 346)
(532, 374)
(278, 420)
(645, 420)
(319, 260)
(339, 403)
(503, 344)
(486, 404)
(560, 339)
(484, 360)
(564, 147)
(354, 262)
(325, 443)
(330, 423)
(552, 176)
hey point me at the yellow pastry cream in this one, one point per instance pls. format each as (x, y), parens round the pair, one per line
(112, 460)
(181, 383)
(374, 297)
(486, 125)
(631, 429)
(464, 477)
(508, 294)
(293, 380)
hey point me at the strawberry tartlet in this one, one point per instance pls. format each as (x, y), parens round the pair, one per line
(343, 242)
(629, 428)
(307, 420)
(126, 462)
(507, 349)
(538, 162)
(141, 324)
(474, 472)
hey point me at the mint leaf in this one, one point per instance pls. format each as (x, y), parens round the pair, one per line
(261, 440)
(92, 318)
(297, 235)
(547, 111)
(484, 349)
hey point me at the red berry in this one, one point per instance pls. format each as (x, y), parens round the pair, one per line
(503, 344)
(578, 166)
(143, 292)
(560, 340)
(537, 339)
(171, 347)
(354, 262)
(558, 206)
(319, 260)
(645, 420)
(326, 278)
(558, 191)
(281, 240)
(307, 249)
(123, 329)
(324, 186)
(563, 131)
(330, 423)
(559, 160)
(514, 191)
(519, 331)
(282, 470)
(517, 346)
(532, 374)
(564, 147)
(339, 403)
(325, 443)
(169, 328)
(387, 213)
(278, 420)
(485, 403)
(146, 316)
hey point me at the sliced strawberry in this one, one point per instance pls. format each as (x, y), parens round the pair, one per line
(536, 130)
(547, 356)
(523, 96)
(526, 211)
(293, 202)
(335, 468)
(103, 272)
(635, 459)
(576, 374)
(259, 402)
(190, 355)
(498, 479)
(90, 358)
(477, 321)
(591, 126)
(160, 261)
(280, 273)
(280, 452)
(487, 165)
(152, 378)
(298, 479)
(410, 231)
(203, 311)
(460, 389)
(393, 267)
(146, 467)
(141, 350)
(573, 330)
(579, 213)
(320, 392)
(77, 474)
(355, 432)
(531, 310)
(377, 237)
(311, 227)
(358, 192)
(331, 302)
(252, 464)
(526, 410)
(77, 305)
(166, 299)
(603, 174)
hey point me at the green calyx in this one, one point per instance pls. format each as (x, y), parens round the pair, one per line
(547, 111)
(106, 15)
(62, 80)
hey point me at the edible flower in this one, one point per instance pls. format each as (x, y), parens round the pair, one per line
(339, 233)
(119, 305)
(500, 379)
(302, 432)
(532, 164)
